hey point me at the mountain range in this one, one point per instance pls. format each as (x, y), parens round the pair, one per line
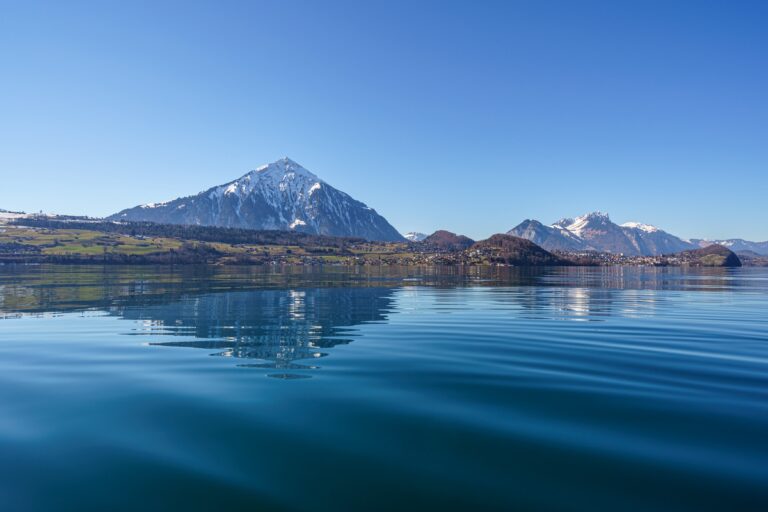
(285, 196)
(282, 195)
(736, 245)
(596, 232)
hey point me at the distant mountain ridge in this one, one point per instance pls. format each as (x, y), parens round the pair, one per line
(736, 245)
(596, 232)
(282, 195)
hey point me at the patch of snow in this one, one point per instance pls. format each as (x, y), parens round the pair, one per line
(154, 205)
(642, 227)
(6, 216)
(297, 222)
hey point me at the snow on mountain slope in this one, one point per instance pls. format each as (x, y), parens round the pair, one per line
(415, 236)
(643, 227)
(282, 196)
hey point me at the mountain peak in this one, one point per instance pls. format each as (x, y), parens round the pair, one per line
(287, 163)
(596, 215)
(282, 167)
(596, 231)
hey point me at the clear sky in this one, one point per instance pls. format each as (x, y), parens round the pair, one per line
(469, 116)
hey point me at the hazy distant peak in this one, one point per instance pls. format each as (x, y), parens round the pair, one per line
(643, 227)
(415, 236)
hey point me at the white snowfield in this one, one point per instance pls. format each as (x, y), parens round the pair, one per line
(7, 216)
(643, 227)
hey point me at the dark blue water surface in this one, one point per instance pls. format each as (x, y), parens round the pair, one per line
(139, 388)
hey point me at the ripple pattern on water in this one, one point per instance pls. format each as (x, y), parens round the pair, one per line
(547, 389)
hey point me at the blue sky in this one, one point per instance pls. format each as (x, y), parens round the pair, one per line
(468, 116)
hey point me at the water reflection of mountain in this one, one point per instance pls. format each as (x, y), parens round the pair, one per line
(276, 327)
(276, 317)
(580, 303)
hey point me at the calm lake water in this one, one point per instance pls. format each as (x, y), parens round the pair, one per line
(403, 389)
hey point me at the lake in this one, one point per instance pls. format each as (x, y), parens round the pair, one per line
(212, 388)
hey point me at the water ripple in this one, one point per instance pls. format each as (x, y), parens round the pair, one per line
(550, 389)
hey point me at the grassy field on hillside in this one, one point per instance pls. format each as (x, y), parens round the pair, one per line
(87, 244)
(82, 242)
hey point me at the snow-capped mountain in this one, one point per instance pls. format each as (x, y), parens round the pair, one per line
(281, 196)
(595, 231)
(415, 236)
